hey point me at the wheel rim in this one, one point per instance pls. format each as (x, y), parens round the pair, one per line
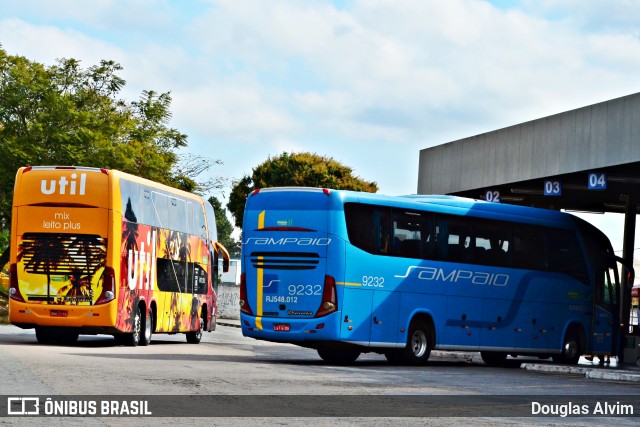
(136, 327)
(147, 328)
(200, 329)
(419, 343)
(570, 349)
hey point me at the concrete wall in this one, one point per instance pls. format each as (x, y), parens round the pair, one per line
(228, 301)
(587, 138)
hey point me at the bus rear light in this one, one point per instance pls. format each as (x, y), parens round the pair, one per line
(329, 302)
(108, 286)
(254, 192)
(326, 191)
(244, 304)
(14, 290)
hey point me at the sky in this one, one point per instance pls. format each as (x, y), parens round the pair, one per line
(367, 82)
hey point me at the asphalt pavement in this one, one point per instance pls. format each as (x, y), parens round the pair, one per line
(589, 369)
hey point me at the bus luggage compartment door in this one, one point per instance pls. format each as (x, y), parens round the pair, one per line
(288, 285)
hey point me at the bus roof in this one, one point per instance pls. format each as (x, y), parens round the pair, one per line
(446, 204)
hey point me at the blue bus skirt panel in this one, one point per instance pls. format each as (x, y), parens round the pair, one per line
(292, 330)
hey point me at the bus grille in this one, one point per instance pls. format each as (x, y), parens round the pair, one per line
(285, 260)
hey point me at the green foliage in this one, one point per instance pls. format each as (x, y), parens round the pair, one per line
(296, 169)
(225, 228)
(66, 115)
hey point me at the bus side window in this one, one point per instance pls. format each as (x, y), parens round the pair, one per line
(565, 255)
(453, 239)
(491, 243)
(369, 227)
(412, 232)
(529, 248)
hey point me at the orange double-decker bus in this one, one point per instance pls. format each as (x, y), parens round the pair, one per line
(96, 251)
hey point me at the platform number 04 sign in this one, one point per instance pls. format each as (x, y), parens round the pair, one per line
(597, 181)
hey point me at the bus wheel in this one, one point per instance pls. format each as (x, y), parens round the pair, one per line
(493, 358)
(69, 337)
(147, 328)
(195, 336)
(570, 349)
(133, 338)
(338, 356)
(419, 343)
(44, 335)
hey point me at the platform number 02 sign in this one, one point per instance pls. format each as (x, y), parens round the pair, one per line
(492, 196)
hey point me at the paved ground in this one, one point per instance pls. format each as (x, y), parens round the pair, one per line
(588, 369)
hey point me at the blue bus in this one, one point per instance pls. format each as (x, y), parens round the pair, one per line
(347, 272)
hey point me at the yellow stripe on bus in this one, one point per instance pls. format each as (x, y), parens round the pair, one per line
(349, 283)
(260, 278)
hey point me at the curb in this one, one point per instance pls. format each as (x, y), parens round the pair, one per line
(590, 373)
(225, 322)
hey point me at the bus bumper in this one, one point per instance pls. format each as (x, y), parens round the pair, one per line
(326, 328)
(29, 316)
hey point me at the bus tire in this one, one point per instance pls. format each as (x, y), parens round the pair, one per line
(571, 349)
(54, 335)
(133, 337)
(147, 328)
(419, 343)
(69, 337)
(44, 335)
(195, 337)
(493, 358)
(338, 356)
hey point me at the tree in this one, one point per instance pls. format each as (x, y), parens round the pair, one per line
(66, 115)
(225, 228)
(296, 169)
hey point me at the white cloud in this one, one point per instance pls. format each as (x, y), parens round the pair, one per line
(275, 76)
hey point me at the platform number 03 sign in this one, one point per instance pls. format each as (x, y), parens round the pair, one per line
(553, 188)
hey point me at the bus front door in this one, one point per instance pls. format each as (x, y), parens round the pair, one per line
(604, 314)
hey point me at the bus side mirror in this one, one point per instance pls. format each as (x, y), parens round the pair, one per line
(222, 251)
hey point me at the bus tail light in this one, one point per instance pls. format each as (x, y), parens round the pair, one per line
(329, 302)
(244, 304)
(108, 286)
(14, 290)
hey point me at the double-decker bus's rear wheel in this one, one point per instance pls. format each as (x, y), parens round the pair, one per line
(195, 336)
(338, 356)
(133, 338)
(147, 328)
(44, 335)
(571, 349)
(54, 335)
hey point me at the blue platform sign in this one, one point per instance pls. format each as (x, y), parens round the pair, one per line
(553, 188)
(493, 196)
(597, 180)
